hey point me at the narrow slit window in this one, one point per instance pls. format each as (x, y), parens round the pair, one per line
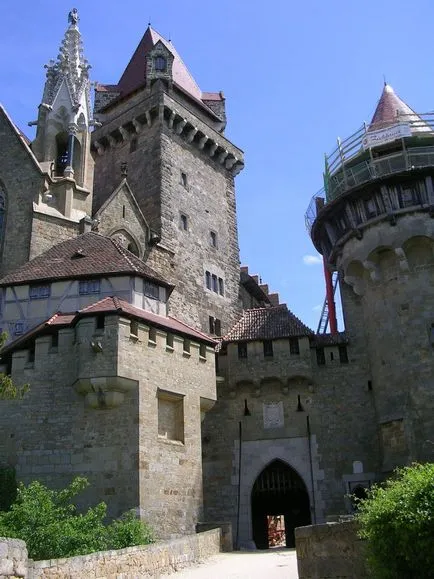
(202, 351)
(169, 340)
(186, 346)
(242, 350)
(320, 357)
(208, 280)
(343, 354)
(152, 335)
(213, 238)
(268, 348)
(100, 322)
(221, 287)
(134, 328)
(214, 283)
(294, 346)
(184, 222)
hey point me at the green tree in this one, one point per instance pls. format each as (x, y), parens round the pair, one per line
(52, 526)
(397, 521)
(8, 390)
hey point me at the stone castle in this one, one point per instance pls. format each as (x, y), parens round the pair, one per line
(171, 378)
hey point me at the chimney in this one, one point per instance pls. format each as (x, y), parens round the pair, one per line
(86, 224)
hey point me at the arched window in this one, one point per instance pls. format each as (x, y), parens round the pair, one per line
(160, 63)
(2, 212)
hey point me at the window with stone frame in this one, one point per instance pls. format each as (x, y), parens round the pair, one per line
(160, 63)
(170, 415)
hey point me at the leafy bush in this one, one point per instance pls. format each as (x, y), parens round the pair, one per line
(397, 520)
(52, 527)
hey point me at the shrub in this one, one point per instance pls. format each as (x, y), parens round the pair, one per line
(397, 521)
(52, 527)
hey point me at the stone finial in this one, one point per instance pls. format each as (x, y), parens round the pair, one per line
(73, 17)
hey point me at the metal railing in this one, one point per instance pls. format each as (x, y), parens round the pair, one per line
(343, 174)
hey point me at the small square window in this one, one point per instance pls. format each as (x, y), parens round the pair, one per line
(39, 292)
(184, 222)
(89, 286)
(268, 348)
(242, 350)
(213, 238)
(320, 357)
(294, 346)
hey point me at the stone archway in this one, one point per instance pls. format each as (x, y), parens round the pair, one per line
(278, 494)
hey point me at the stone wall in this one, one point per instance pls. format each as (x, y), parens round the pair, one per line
(330, 551)
(142, 561)
(13, 558)
(337, 442)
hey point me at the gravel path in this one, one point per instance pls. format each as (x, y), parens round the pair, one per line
(271, 564)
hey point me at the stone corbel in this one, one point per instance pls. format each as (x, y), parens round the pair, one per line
(229, 163)
(403, 263)
(104, 392)
(191, 135)
(213, 149)
(124, 133)
(237, 168)
(205, 405)
(373, 269)
(137, 126)
(356, 283)
(180, 126)
(172, 119)
(148, 118)
(223, 156)
(202, 141)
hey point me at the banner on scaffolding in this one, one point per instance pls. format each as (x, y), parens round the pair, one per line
(387, 135)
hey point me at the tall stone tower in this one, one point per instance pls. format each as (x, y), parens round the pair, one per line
(46, 186)
(181, 170)
(374, 224)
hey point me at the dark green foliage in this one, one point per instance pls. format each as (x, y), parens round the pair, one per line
(397, 520)
(8, 487)
(52, 527)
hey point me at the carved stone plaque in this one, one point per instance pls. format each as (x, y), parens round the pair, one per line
(273, 415)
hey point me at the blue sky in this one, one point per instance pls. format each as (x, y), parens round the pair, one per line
(295, 74)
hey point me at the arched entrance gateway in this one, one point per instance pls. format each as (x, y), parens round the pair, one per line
(280, 502)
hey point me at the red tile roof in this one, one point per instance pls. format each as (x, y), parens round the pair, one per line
(134, 76)
(106, 306)
(389, 107)
(87, 255)
(267, 324)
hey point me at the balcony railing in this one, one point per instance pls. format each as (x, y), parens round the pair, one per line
(343, 173)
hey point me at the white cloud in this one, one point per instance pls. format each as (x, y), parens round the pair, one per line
(312, 259)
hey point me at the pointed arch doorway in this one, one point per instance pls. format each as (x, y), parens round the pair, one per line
(280, 502)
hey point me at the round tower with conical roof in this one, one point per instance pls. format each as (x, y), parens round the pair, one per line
(373, 222)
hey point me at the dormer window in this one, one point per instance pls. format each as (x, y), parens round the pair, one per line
(160, 63)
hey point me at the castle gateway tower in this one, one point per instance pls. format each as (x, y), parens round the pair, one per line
(181, 170)
(373, 222)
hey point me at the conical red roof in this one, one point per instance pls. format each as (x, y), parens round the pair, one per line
(391, 109)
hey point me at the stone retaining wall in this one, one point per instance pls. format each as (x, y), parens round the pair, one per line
(330, 551)
(146, 561)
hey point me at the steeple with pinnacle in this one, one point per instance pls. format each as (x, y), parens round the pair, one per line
(62, 143)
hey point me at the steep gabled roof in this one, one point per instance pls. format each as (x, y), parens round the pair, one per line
(134, 75)
(88, 255)
(267, 324)
(391, 108)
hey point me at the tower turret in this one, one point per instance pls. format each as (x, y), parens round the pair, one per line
(373, 222)
(62, 143)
